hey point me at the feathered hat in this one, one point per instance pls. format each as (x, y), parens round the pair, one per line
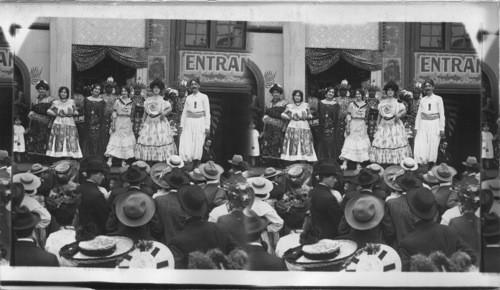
(110, 82)
(344, 85)
(417, 87)
(138, 85)
(373, 87)
(43, 84)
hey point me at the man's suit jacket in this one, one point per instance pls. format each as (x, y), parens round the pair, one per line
(444, 157)
(27, 254)
(213, 190)
(200, 236)
(234, 222)
(207, 155)
(468, 227)
(429, 237)
(325, 211)
(93, 206)
(172, 217)
(260, 260)
(402, 218)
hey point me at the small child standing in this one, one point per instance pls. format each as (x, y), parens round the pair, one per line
(19, 147)
(253, 150)
(487, 146)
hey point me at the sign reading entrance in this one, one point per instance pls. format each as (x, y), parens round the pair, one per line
(214, 66)
(448, 68)
(6, 65)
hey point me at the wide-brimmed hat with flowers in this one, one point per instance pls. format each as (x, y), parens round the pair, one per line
(344, 85)
(390, 174)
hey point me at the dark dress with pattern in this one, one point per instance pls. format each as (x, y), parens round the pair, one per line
(329, 115)
(372, 116)
(108, 110)
(137, 113)
(94, 132)
(40, 125)
(274, 130)
(344, 110)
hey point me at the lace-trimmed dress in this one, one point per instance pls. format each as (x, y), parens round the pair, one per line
(155, 142)
(272, 140)
(63, 140)
(357, 144)
(122, 141)
(390, 142)
(298, 143)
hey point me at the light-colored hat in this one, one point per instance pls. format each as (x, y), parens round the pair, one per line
(444, 172)
(196, 175)
(390, 175)
(430, 178)
(386, 259)
(236, 160)
(135, 209)
(142, 165)
(271, 172)
(493, 185)
(38, 168)
(261, 186)
(409, 163)
(62, 168)
(158, 171)
(376, 168)
(175, 161)
(295, 171)
(364, 211)
(211, 170)
(149, 254)
(29, 180)
(471, 162)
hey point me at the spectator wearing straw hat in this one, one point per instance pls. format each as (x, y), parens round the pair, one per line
(259, 259)
(198, 235)
(25, 251)
(215, 194)
(169, 210)
(366, 178)
(43, 173)
(276, 177)
(262, 189)
(444, 174)
(148, 182)
(363, 213)
(428, 236)
(135, 211)
(493, 185)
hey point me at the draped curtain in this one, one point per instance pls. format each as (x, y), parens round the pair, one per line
(320, 59)
(86, 56)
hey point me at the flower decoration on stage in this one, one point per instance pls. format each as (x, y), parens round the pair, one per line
(344, 85)
(373, 87)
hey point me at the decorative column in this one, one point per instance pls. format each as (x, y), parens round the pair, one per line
(294, 58)
(61, 39)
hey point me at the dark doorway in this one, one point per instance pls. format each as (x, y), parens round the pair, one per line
(229, 112)
(101, 71)
(463, 126)
(6, 95)
(342, 70)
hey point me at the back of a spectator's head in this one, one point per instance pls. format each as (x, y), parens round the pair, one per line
(17, 193)
(24, 222)
(486, 200)
(65, 215)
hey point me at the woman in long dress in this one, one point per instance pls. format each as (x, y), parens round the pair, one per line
(273, 130)
(63, 140)
(137, 108)
(344, 99)
(329, 122)
(40, 122)
(357, 144)
(109, 98)
(195, 124)
(93, 141)
(390, 142)
(298, 143)
(122, 141)
(372, 109)
(155, 142)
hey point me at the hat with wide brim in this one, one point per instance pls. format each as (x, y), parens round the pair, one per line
(471, 162)
(430, 178)
(133, 174)
(261, 186)
(376, 168)
(29, 180)
(271, 172)
(176, 178)
(408, 180)
(142, 165)
(386, 259)
(409, 163)
(148, 254)
(196, 175)
(193, 200)
(366, 177)
(364, 211)
(236, 160)
(158, 171)
(347, 249)
(390, 174)
(422, 202)
(211, 170)
(38, 168)
(254, 224)
(21, 167)
(175, 161)
(23, 219)
(327, 167)
(493, 185)
(123, 246)
(443, 172)
(135, 209)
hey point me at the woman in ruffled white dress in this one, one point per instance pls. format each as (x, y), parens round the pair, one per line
(63, 139)
(298, 143)
(195, 124)
(357, 143)
(122, 140)
(390, 142)
(155, 142)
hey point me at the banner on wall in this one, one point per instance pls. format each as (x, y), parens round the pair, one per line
(6, 65)
(448, 68)
(214, 67)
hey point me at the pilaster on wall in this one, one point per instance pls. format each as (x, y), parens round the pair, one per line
(61, 38)
(294, 56)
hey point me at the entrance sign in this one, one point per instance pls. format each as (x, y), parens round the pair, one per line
(6, 65)
(448, 68)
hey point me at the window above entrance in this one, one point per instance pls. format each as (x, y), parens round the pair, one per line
(437, 36)
(213, 35)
